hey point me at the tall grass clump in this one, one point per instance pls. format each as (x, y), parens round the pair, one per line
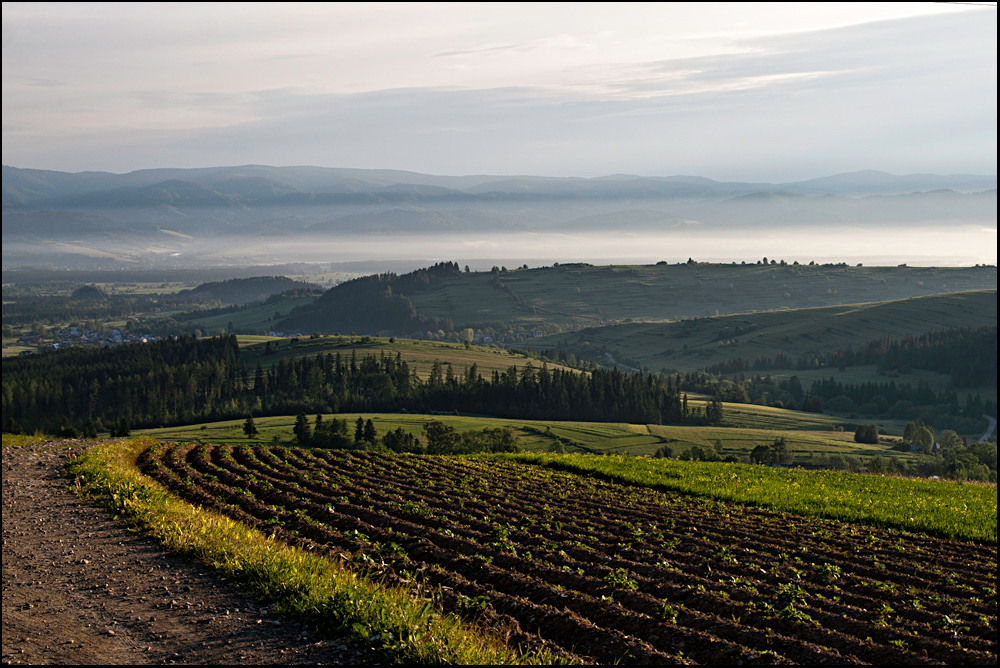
(311, 588)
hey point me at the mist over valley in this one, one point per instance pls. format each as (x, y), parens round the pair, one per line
(263, 215)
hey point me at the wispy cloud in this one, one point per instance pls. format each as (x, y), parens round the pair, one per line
(901, 95)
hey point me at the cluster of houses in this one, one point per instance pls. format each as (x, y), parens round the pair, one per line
(77, 336)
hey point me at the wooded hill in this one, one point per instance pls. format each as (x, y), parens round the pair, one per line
(569, 296)
(793, 334)
(246, 290)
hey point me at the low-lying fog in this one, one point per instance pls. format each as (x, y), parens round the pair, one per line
(944, 245)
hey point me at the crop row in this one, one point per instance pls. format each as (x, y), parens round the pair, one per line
(604, 572)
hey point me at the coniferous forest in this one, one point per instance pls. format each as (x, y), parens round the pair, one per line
(968, 355)
(187, 380)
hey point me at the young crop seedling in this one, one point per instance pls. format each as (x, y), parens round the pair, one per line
(792, 593)
(828, 571)
(740, 583)
(792, 614)
(951, 625)
(668, 614)
(619, 579)
(724, 555)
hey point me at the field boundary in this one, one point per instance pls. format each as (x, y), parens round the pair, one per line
(309, 587)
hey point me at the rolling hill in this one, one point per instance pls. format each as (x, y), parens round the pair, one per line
(691, 344)
(570, 296)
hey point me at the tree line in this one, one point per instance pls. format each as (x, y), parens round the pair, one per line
(968, 355)
(187, 380)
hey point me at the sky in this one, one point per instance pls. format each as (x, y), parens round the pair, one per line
(750, 92)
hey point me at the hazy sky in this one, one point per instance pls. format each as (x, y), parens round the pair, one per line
(748, 92)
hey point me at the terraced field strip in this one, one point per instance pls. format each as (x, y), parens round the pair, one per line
(603, 572)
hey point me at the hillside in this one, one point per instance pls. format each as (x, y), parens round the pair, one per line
(419, 355)
(693, 344)
(571, 296)
(246, 290)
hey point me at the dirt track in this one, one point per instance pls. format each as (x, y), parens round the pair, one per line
(79, 588)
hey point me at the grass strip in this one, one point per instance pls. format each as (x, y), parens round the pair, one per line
(939, 508)
(304, 586)
(19, 440)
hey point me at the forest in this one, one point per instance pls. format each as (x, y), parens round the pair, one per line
(968, 355)
(186, 380)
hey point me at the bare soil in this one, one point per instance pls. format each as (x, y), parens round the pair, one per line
(80, 588)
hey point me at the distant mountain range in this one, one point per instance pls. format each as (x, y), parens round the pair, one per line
(256, 185)
(167, 207)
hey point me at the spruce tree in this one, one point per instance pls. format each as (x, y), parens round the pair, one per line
(302, 430)
(249, 428)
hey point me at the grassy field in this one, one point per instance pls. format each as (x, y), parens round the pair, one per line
(257, 318)
(806, 441)
(12, 349)
(245, 340)
(693, 344)
(947, 509)
(419, 355)
(588, 295)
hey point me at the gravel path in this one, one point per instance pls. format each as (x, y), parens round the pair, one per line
(80, 588)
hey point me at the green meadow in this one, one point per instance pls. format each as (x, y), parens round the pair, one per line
(256, 318)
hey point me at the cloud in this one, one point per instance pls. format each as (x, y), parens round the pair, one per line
(904, 95)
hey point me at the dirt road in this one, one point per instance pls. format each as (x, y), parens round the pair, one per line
(79, 588)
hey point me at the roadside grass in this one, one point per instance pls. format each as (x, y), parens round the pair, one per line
(952, 510)
(311, 588)
(573, 437)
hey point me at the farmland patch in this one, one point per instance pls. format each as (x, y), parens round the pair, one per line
(603, 572)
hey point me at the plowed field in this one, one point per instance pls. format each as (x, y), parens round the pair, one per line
(603, 572)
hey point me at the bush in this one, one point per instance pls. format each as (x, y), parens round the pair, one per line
(664, 452)
(866, 433)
